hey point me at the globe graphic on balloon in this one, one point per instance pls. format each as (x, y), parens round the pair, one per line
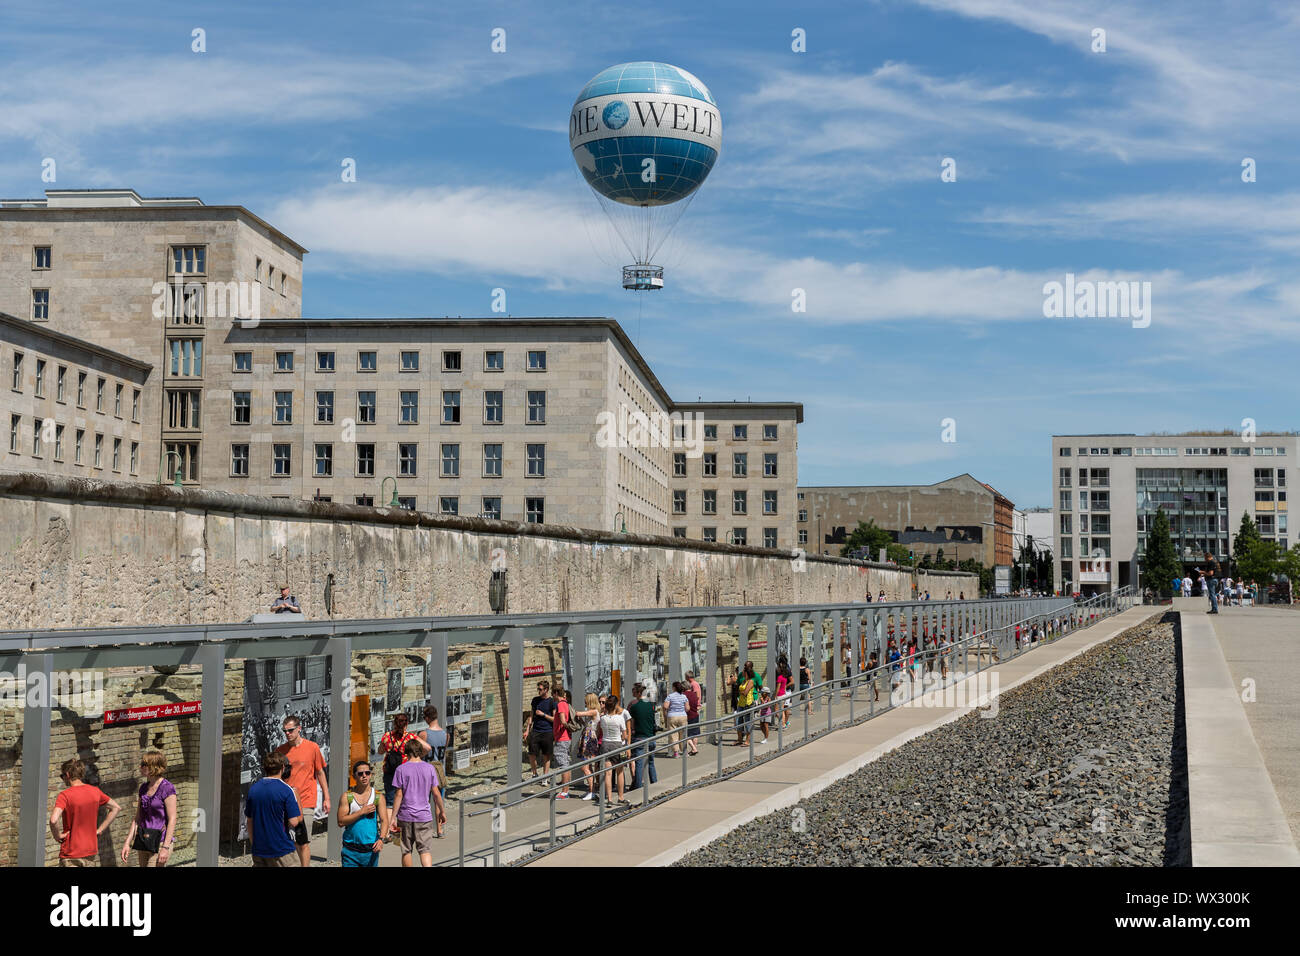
(645, 133)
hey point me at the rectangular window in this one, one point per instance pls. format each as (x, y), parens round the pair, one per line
(769, 537)
(536, 461)
(493, 408)
(40, 304)
(1067, 500)
(451, 408)
(537, 363)
(99, 396)
(740, 432)
(365, 461)
(739, 464)
(407, 459)
(284, 361)
(324, 361)
(60, 383)
(449, 505)
(41, 257)
(281, 461)
(803, 513)
(739, 502)
(769, 434)
(803, 537)
(679, 532)
(40, 378)
(679, 501)
(81, 389)
(492, 508)
(183, 456)
(99, 454)
(679, 464)
(135, 404)
(410, 408)
(492, 461)
(709, 466)
(1066, 524)
(406, 502)
(710, 432)
(15, 423)
(367, 361)
(365, 501)
(189, 260)
(117, 454)
(451, 361)
(535, 510)
(187, 357)
(283, 408)
(494, 361)
(536, 408)
(135, 457)
(769, 464)
(1064, 479)
(183, 408)
(58, 442)
(325, 408)
(769, 502)
(239, 460)
(709, 502)
(738, 536)
(450, 460)
(410, 361)
(78, 442)
(709, 534)
(365, 408)
(243, 362)
(117, 400)
(1067, 545)
(1065, 452)
(324, 460)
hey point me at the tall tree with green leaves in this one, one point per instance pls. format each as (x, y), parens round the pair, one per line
(867, 535)
(1161, 562)
(1247, 535)
(1260, 562)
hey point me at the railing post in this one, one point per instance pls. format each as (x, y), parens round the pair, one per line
(339, 650)
(712, 671)
(461, 802)
(35, 812)
(514, 717)
(212, 660)
(496, 830)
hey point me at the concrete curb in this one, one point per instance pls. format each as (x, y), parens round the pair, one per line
(792, 795)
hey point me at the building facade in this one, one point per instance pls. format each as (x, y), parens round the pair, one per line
(962, 517)
(550, 420)
(1109, 487)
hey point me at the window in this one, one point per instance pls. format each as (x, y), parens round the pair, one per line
(679, 501)
(99, 395)
(243, 362)
(135, 404)
(324, 361)
(187, 357)
(239, 460)
(451, 408)
(367, 362)
(366, 408)
(709, 534)
(283, 408)
(58, 442)
(536, 461)
(1067, 499)
(1064, 480)
(769, 503)
(803, 537)
(492, 408)
(99, 453)
(257, 269)
(410, 361)
(365, 461)
(739, 502)
(769, 537)
(494, 362)
(679, 464)
(117, 400)
(450, 460)
(40, 378)
(324, 460)
(284, 361)
(78, 442)
(1066, 524)
(183, 455)
(183, 408)
(1262, 497)
(281, 462)
(324, 408)
(189, 260)
(709, 502)
(769, 434)
(410, 408)
(282, 282)
(117, 454)
(492, 508)
(1065, 452)
(535, 509)
(709, 467)
(739, 432)
(451, 361)
(1263, 476)
(492, 461)
(803, 514)
(710, 432)
(365, 501)
(406, 502)
(1067, 545)
(537, 363)
(739, 464)
(449, 505)
(81, 389)
(738, 536)
(41, 257)
(679, 532)
(769, 464)
(407, 456)
(40, 304)
(135, 457)
(536, 408)
(18, 372)
(15, 423)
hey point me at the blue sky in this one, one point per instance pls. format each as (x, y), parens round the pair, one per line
(924, 298)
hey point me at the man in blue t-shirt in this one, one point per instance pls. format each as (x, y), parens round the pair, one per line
(272, 811)
(539, 730)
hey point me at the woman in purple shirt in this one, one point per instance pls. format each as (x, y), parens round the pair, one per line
(154, 825)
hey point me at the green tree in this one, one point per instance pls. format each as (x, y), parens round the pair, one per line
(1260, 562)
(1247, 534)
(1290, 566)
(867, 535)
(1161, 562)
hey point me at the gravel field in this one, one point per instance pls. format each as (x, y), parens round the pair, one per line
(1083, 766)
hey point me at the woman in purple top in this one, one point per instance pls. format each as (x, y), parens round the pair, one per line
(154, 826)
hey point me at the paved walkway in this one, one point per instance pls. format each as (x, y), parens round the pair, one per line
(1243, 757)
(664, 833)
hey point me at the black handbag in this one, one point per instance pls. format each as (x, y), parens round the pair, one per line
(147, 839)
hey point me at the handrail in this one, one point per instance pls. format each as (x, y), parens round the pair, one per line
(640, 749)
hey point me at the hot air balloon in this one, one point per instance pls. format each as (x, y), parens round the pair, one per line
(645, 136)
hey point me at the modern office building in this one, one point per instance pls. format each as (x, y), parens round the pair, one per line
(190, 315)
(1108, 488)
(962, 517)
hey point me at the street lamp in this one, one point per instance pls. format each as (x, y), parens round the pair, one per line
(394, 503)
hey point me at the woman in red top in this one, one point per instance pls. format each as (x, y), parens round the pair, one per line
(563, 714)
(393, 747)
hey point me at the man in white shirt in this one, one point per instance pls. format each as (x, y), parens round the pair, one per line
(1187, 586)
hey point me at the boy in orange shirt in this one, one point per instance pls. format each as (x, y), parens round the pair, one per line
(78, 808)
(306, 769)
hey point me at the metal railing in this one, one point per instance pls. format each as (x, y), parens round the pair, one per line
(1000, 641)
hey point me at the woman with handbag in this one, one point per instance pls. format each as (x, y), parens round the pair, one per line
(154, 826)
(587, 741)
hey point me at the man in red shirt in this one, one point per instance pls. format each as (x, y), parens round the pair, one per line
(306, 770)
(78, 808)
